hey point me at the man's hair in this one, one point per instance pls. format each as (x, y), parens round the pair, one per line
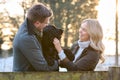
(39, 12)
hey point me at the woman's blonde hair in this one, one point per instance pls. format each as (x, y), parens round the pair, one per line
(95, 32)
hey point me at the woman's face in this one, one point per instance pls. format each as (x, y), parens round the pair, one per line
(83, 34)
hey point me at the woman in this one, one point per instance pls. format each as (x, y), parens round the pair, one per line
(87, 50)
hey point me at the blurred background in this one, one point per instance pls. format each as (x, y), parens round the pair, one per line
(68, 15)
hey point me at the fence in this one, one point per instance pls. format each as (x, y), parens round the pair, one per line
(112, 74)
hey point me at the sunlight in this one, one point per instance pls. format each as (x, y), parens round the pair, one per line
(5, 46)
(13, 8)
(106, 16)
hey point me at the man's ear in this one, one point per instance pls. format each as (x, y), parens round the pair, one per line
(37, 23)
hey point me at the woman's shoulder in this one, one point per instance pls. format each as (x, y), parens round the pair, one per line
(93, 51)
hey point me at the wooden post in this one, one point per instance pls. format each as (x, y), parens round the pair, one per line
(116, 35)
(114, 73)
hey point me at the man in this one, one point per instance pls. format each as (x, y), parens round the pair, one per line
(27, 49)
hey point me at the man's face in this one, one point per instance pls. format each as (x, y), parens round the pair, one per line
(42, 25)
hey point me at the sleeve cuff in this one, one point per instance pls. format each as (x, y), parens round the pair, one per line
(62, 55)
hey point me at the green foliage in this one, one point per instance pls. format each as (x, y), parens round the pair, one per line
(69, 13)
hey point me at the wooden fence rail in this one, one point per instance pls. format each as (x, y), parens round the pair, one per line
(112, 74)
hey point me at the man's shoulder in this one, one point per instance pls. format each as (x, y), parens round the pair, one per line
(26, 37)
(23, 32)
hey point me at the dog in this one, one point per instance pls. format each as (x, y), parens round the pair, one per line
(50, 53)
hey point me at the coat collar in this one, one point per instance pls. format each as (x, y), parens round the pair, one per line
(76, 47)
(31, 28)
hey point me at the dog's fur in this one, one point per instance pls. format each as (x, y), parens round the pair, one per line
(49, 51)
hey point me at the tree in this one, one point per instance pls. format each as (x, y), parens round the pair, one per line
(11, 23)
(26, 4)
(69, 13)
(8, 27)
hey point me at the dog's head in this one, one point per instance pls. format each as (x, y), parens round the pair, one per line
(49, 33)
(50, 53)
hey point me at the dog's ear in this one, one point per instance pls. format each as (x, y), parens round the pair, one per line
(52, 25)
(60, 31)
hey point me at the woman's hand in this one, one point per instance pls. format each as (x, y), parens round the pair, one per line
(57, 45)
